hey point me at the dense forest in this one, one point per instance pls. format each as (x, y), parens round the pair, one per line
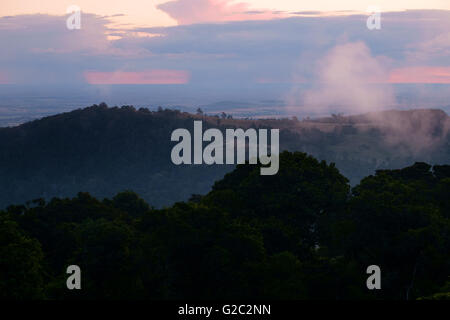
(301, 234)
(104, 150)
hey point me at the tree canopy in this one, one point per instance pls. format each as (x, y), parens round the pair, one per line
(301, 234)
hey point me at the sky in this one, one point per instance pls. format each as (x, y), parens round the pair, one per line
(304, 53)
(166, 13)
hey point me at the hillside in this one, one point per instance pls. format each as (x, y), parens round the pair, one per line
(299, 235)
(105, 150)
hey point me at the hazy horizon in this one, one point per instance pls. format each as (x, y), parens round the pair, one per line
(21, 103)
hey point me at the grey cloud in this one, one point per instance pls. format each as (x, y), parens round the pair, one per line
(221, 56)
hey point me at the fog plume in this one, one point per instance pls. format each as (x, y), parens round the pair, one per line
(348, 79)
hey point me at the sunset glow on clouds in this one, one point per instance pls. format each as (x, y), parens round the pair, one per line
(201, 11)
(3, 78)
(140, 77)
(420, 75)
(222, 43)
(145, 13)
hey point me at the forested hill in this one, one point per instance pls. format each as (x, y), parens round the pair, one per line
(300, 234)
(105, 150)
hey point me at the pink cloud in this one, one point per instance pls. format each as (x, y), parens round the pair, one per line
(420, 75)
(139, 77)
(4, 78)
(201, 11)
